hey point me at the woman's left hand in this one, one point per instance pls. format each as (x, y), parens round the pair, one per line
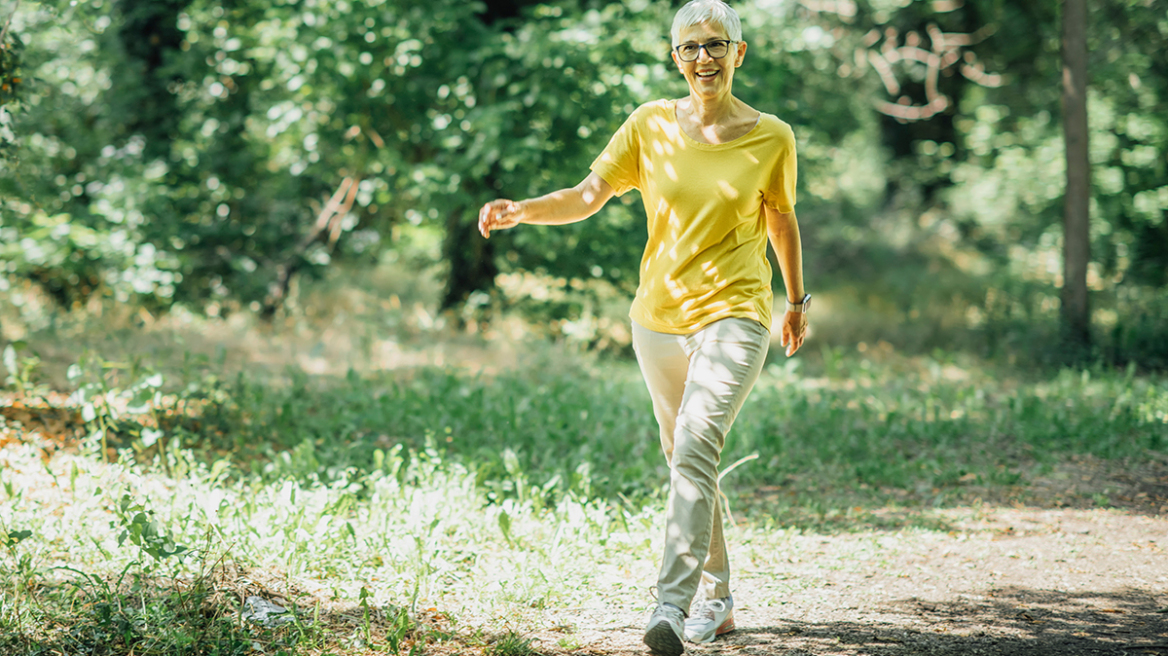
(793, 331)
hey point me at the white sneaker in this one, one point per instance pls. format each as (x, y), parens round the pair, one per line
(713, 618)
(663, 635)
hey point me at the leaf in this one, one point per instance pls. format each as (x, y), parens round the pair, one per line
(10, 360)
(505, 525)
(15, 537)
(141, 401)
(150, 436)
(511, 463)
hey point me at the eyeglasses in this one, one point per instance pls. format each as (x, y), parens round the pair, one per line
(716, 49)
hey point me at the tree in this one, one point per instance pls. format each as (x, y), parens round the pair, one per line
(1076, 313)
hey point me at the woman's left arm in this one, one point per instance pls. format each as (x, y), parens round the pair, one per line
(783, 230)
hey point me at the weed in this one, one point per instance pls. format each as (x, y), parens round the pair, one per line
(511, 644)
(140, 527)
(400, 627)
(22, 370)
(569, 643)
(21, 578)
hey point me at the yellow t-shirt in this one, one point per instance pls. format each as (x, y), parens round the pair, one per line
(706, 255)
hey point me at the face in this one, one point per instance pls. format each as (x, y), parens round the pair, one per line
(709, 77)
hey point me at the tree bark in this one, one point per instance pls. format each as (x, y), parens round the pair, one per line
(471, 258)
(1076, 313)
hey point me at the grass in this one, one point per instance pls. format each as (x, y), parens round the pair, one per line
(929, 425)
(387, 509)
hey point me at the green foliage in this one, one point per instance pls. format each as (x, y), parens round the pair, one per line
(209, 153)
(139, 526)
(545, 433)
(11, 82)
(137, 614)
(981, 183)
(186, 151)
(108, 409)
(13, 538)
(22, 371)
(400, 628)
(511, 644)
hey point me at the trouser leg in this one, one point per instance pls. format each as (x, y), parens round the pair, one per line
(715, 579)
(698, 383)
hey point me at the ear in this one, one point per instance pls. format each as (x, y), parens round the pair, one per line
(676, 61)
(741, 54)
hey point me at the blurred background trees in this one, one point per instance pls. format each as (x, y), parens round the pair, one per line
(208, 153)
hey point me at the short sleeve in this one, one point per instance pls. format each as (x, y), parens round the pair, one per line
(620, 162)
(780, 192)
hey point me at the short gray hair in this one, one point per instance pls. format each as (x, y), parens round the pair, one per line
(706, 11)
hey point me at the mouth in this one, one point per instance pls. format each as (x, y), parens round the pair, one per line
(706, 75)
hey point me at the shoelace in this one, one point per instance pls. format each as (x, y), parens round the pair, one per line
(710, 607)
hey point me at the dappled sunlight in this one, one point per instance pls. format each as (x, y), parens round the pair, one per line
(865, 477)
(727, 191)
(703, 217)
(671, 172)
(434, 533)
(331, 327)
(255, 354)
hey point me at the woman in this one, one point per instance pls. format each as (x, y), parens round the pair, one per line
(717, 178)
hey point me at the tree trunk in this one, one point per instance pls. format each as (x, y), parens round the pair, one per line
(470, 257)
(149, 34)
(1076, 317)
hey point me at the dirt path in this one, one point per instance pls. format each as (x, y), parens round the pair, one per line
(1003, 582)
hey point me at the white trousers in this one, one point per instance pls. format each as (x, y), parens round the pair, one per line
(698, 383)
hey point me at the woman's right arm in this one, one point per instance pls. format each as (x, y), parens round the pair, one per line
(557, 208)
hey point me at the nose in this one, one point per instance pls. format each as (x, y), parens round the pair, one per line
(703, 54)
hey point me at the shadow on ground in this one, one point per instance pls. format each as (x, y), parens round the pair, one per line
(1005, 622)
(1138, 487)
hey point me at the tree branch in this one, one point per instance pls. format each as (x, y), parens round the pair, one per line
(328, 221)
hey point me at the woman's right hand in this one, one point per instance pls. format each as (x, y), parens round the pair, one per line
(499, 215)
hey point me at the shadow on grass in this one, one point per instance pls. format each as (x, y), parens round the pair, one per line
(1005, 622)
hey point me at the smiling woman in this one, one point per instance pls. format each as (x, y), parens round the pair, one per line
(717, 178)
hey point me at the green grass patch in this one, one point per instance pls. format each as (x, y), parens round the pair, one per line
(923, 429)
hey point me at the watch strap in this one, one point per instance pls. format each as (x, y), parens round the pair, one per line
(801, 306)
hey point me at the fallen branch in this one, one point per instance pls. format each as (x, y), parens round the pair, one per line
(328, 221)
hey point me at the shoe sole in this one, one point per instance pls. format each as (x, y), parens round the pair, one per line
(726, 627)
(662, 641)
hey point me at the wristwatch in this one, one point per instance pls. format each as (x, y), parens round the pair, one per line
(801, 306)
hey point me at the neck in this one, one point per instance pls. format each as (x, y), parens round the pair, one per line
(711, 111)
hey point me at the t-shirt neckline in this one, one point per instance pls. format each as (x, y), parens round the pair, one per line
(702, 144)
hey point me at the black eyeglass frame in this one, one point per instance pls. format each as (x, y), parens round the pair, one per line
(703, 46)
